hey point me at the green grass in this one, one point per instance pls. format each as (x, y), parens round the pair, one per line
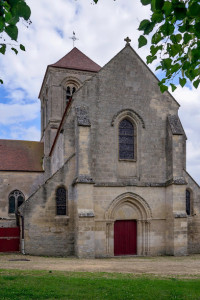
(15, 284)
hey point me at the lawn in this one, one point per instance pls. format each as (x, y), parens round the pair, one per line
(15, 284)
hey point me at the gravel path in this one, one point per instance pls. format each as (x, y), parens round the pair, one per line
(187, 266)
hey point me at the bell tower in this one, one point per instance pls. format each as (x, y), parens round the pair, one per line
(60, 82)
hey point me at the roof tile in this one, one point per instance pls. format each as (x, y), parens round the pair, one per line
(77, 60)
(21, 156)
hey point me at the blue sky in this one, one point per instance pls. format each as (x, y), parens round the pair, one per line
(101, 30)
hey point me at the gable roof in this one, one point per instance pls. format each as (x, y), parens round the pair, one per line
(77, 60)
(21, 156)
(128, 46)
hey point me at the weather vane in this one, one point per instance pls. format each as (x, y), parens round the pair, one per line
(73, 38)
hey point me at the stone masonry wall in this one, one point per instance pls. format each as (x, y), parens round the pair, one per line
(194, 218)
(45, 232)
(10, 181)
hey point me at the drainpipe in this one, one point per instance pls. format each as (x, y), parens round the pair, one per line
(22, 240)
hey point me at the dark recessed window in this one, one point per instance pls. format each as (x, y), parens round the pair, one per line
(70, 91)
(188, 199)
(16, 198)
(126, 140)
(61, 201)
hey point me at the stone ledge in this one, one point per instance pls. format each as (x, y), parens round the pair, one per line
(176, 181)
(83, 179)
(86, 213)
(180, 215)
(62, 217)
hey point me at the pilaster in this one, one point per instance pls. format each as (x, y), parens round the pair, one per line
(83, 188)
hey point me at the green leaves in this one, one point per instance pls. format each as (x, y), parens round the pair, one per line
(142, 41)
(22, 47)
(11, 11)
(167, 29)
(167, 8)
(12, 31)
(196, 83)
(186, 38)
(157, 4)
(173, 87)
(21, 9)
(182, 81)
(156, 38)
(194, 9)
(15, 50)
(151, 58)
(180, 11)
(2, 48)
(163, 88)
(175, 40)
(144, 2)
(154, 49)
(146, 26)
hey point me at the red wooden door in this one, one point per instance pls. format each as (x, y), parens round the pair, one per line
(125, 237)
(9, 239)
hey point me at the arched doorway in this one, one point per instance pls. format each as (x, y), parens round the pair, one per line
(128, 226)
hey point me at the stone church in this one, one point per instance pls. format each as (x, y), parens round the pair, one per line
(109, 175)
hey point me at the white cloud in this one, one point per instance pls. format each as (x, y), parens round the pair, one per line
(21, 133)
(189, 112)
(17, 113)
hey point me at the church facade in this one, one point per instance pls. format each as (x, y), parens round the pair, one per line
(109, 175)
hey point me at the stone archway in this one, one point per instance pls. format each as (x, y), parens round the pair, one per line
(129, 206)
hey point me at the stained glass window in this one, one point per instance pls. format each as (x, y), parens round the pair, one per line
(61, 199)
(126, 140)
(188, 202)
(16, 198)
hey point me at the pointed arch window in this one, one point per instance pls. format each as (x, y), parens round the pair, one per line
(61, 201)
(188, 202)
(126, 140)
(16, 198)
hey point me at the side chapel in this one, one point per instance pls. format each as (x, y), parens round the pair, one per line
(109, 175)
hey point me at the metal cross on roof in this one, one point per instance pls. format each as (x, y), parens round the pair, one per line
(73, 38)
(127, 40)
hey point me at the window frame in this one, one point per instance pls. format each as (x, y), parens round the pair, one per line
(134, 159)
(16, 194)
(61, 205)
(190, 202)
